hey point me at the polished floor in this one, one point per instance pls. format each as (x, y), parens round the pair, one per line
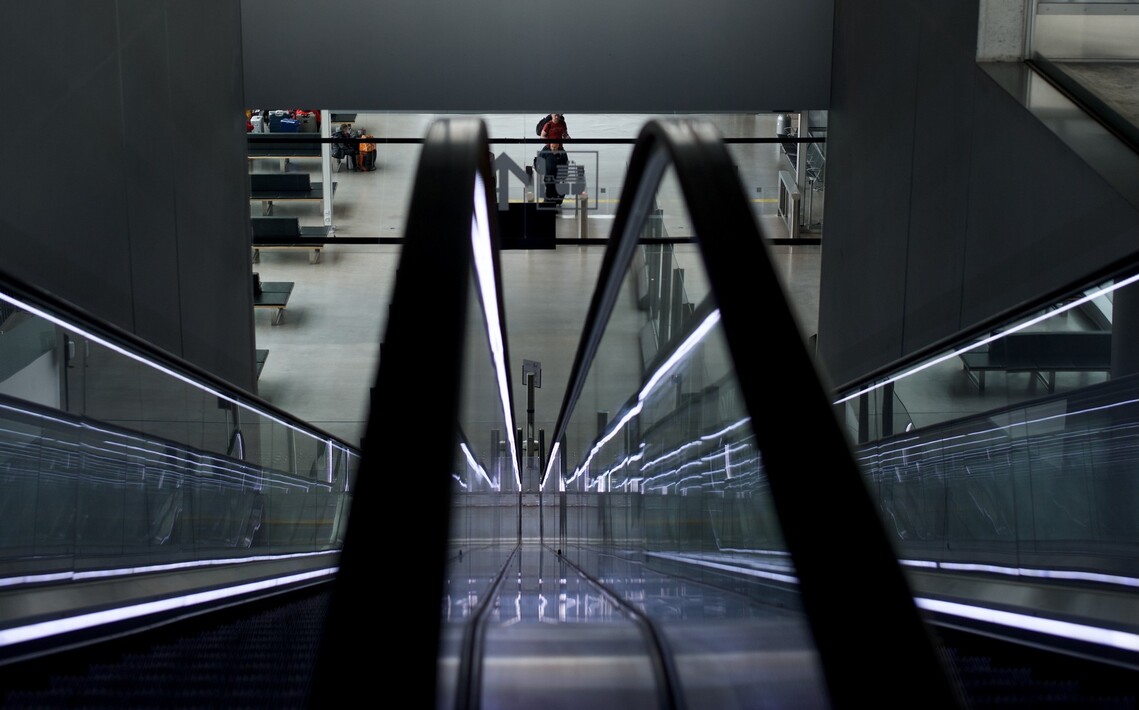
(323, 354)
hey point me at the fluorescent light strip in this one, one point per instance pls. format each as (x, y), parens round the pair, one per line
(146, 569)
(32, 632)
(1038, 319)
(484, 268)
(38, 415)
(550, 466)
(689, 343)
(144, 361)
(727, 429)
(606, 439)
(1064, 629)
(475, 464)
(1007, 571)
(786, 578)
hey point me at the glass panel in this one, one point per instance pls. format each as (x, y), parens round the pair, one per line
(1012, 455)
(112, 460)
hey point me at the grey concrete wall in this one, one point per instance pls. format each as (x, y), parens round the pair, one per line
(127, 192)
(948, 203)
(588, 56)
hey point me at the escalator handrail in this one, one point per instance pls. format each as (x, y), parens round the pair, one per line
(414, 406)
(844, 612)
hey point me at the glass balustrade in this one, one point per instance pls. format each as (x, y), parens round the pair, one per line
(117, 462)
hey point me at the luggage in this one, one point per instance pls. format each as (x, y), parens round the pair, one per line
(308, 121)
(366, 159)
(260, 125)
(289, 125)
(276, 118)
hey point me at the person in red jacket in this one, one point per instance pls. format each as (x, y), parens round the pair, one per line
(555, 129)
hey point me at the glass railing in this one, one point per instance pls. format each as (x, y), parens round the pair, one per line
(118, 462)
(1008, 460)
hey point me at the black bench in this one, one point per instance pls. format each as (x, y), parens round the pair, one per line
(262, 356)
(287, 233)
(1042, 353)
(274, 295)
(269, 187)
(284, 145)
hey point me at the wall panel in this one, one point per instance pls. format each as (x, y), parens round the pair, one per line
(131, 198)
(999, 209)
(591, 56)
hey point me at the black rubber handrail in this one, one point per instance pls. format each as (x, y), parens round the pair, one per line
(844, 617)
(414, 406)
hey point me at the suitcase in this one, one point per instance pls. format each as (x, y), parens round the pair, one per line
(308, 122)
(289, 125)
(275, 118)
(366, 160)
(260, 125)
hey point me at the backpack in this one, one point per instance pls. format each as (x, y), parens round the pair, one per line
(542, 124)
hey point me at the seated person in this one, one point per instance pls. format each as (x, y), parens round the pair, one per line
(347, 151)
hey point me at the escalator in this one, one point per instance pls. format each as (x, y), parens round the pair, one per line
(663, 529)
(678, 546)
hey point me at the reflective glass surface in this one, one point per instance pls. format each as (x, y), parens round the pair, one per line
(115, 461)
(1010, 459)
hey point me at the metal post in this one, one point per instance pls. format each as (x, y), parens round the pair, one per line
(563, 511)
(326, 165)
(495, 456)
(582, 215)
(801, 164)
(530, 443)
(541, 469)
(678, 296)
(519, 445)
(887, 425)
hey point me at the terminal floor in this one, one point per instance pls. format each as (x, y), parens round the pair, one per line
(323, 354)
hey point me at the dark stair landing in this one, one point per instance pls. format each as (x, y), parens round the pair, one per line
(251, 656)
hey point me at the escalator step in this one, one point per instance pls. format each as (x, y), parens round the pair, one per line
(236, 659)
